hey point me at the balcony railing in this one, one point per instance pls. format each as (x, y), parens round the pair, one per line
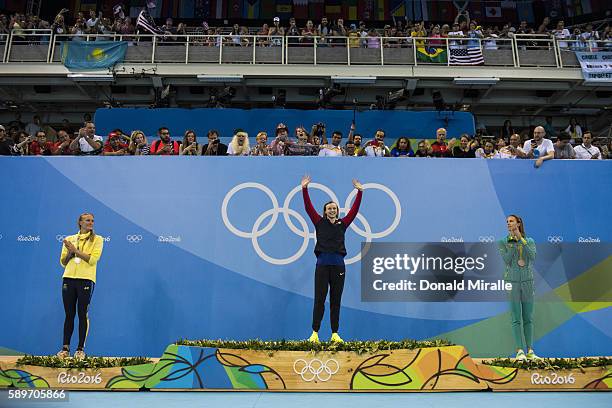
(42, 46)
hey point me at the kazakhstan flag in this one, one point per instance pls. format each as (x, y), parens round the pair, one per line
(92, 54)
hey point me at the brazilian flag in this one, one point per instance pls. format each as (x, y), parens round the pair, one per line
(92, 55)
(431, 54)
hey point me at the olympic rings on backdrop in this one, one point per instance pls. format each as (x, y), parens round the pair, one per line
(303, 231)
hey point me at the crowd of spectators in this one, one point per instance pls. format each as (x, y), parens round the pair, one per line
(359, 34)
(540, 143)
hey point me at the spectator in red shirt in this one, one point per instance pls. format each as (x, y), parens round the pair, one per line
(164, 146)
(40, 146)
(62, 146)
(114, 146)
(440, 148)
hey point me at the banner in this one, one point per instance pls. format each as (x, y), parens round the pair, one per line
(92, 55)
(431, 54)
(395, 123)
(596, 66)
(221, 247)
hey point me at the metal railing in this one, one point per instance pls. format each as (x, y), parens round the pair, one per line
(42, 46)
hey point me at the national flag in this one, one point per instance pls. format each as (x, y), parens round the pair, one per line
(250, 9)
(267, 10)
(284, 9)
(493, 12)
(431, 54)
(398, 8)
(382, 10)
(333, 9)
(466, 56)
(300, 9)
(315, 9)
(147, 24)
(234, 8)
(350, 10)
(92, 55)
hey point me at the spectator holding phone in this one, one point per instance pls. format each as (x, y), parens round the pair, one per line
(539, 148)
(138, 144)
(164, 146)
(190, 146)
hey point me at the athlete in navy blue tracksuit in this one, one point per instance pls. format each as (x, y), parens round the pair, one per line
(330, 252)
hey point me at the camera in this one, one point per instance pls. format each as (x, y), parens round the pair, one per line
(216, 141)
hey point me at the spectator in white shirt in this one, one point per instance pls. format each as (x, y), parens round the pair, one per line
(586, 150)
(539, 148)
(562, 33)
(512, 150)
(87, 142)
(334, 148)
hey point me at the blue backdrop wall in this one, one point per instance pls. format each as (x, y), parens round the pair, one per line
(395, 123)
(191, 251)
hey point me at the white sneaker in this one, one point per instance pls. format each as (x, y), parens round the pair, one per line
(63, 354)
(520, 356)
(79, 355)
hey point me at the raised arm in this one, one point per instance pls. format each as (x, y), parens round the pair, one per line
(314, 216)
(355, 207)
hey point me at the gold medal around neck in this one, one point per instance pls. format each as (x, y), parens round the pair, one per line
(521, 263)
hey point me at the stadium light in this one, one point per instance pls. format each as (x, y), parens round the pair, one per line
(220, 78)
(475, 81)
(353, 79)
(78, 77)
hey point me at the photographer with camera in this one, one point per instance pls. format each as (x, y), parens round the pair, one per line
(280, 143)
(214, 147)
(87, 142)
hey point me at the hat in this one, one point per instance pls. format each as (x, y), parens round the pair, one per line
(2, 127)
(113, 135)
(276, 18)
(281, 126)
(239, 132)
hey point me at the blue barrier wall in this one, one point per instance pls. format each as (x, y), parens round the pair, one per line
(191, 251)
(396, 123)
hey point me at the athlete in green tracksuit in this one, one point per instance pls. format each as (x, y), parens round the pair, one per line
(519, 254)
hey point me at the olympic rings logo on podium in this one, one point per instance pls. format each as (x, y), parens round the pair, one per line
(315, 368)
(555, 239)
(60, 238)
(486, 239)
(257, 231)
(133, 239)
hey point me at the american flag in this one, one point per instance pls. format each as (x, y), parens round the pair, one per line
(466, 56)
(146, 22)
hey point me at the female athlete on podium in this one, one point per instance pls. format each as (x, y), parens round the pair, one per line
(519, 254)
(330, 252)
(80, 254)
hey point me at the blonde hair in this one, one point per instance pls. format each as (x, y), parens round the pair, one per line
(93, 234)
(240, 150)
(133, 136)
